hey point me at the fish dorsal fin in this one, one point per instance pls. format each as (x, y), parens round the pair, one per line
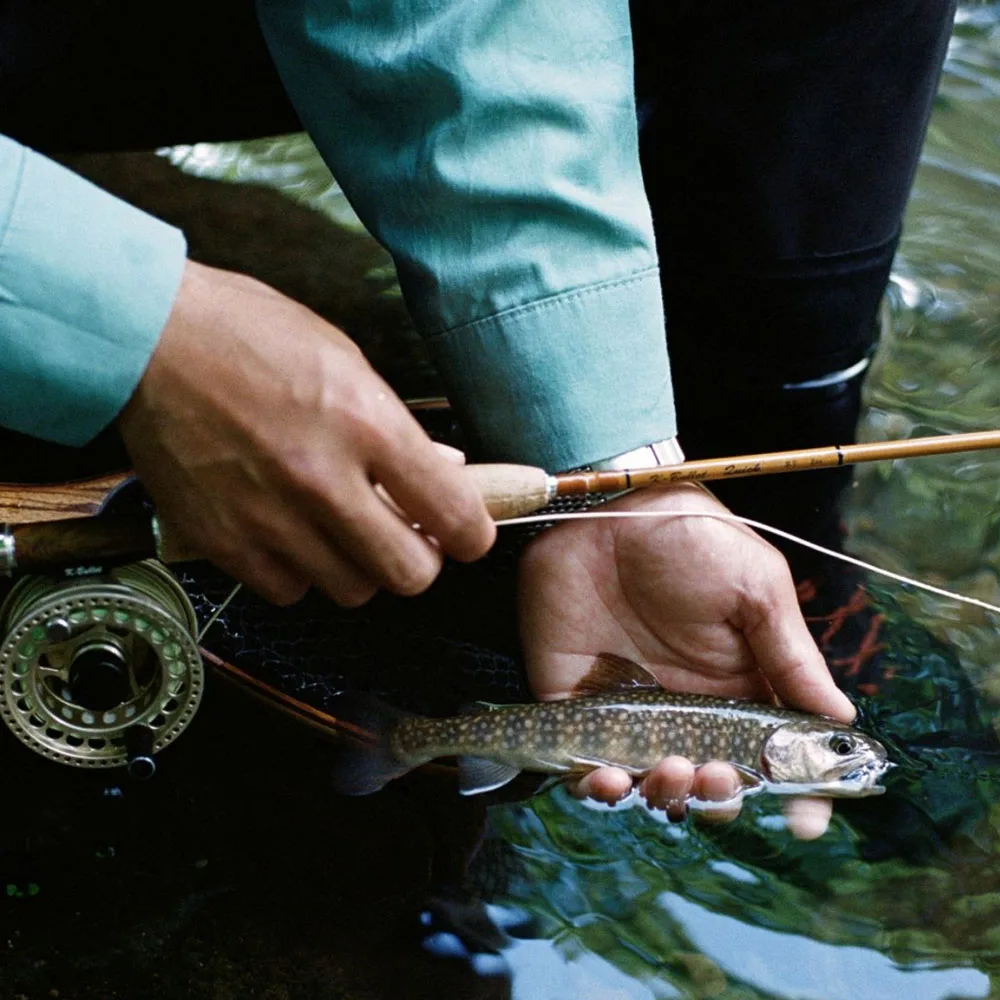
(477, 775)
(610, 672)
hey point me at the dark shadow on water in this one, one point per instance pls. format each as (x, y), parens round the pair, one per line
(233, 873)
(236, 873)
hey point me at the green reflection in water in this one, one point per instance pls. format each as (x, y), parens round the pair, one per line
(900, 897)
(938, 368)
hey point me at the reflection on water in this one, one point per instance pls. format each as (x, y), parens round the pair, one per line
(900, 898)
(939, 366)
(811, 969)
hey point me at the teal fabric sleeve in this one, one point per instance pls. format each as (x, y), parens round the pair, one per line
(491, 145)
(86, 285)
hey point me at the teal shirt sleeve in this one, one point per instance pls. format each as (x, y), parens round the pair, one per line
(86, 285)
(492, 146)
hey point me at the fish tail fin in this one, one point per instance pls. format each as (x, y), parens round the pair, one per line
(365, 761)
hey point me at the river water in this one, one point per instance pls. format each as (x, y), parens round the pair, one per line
(902, 896)
(197, 889)
(938, 368)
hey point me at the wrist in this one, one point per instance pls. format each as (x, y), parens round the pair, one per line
(665, 452)
(648, 456)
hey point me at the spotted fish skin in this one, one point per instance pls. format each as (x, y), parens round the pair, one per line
(632, 730)
(620, 716)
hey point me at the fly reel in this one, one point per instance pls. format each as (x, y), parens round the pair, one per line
(100, 671)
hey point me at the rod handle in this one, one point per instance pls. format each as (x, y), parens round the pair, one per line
(170, 548)
(508, 491)
(87, 543)
(513, 490)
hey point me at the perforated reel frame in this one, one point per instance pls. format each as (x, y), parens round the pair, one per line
(139, 612)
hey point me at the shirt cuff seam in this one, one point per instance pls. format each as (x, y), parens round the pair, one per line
(549, 302)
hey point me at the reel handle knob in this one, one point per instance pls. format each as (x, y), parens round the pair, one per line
(139, 746)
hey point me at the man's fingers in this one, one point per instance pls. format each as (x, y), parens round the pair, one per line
(267, 575)
(807, 816)
(438, 494)
(385, 545)
(449, 454)
(787, 654)
(278, 585)
(284, 577)
(330, 569)
(454, 455)
(359, 520)
(668, 786)
(717, 788)
(605, 784)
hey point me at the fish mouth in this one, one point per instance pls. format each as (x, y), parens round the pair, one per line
(857, 783)
(863, 780)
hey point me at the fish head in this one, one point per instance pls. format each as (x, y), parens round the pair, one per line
(824, 757)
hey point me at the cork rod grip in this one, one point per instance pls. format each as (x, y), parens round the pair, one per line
(512, 490)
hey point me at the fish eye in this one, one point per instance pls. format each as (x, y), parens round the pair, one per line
(841, 745)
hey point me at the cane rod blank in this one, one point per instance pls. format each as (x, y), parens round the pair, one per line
(516, 490)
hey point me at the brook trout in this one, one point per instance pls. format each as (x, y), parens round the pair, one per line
(625, 719)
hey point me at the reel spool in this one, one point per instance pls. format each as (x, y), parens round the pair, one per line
(100, 671)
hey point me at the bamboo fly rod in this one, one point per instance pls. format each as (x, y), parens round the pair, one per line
(509, 491)
(517, 490)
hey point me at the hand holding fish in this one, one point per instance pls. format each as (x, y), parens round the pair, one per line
(707, 606)
(710, 612)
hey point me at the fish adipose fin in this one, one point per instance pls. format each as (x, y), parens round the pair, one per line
(610, 672)
(477, 775)
(364, 761)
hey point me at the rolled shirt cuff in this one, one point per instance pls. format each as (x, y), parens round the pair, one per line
(565, 399)
(87, 283)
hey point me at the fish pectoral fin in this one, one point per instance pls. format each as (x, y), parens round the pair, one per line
(752, 780)
(477, 775)
(610, 672)
(552, 781)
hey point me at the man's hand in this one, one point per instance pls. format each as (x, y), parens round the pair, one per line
(261, 431)
(707, 606)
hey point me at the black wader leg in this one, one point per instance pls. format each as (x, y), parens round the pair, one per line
(101, 75)
(779, 142)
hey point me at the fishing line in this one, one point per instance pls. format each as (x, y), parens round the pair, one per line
(760, 526)
(218, 611)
